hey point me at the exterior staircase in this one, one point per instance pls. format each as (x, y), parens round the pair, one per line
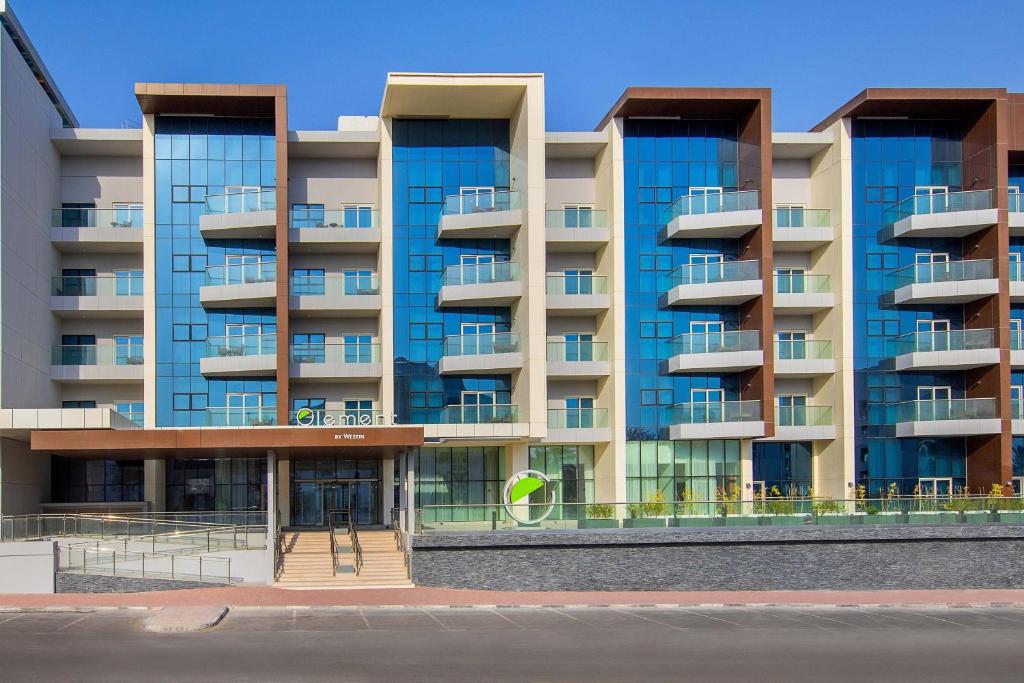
(307, 561)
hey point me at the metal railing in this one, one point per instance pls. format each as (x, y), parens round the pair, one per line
(334, 285)
(803, 349)
(461, 204)
(945, 340)
(945, 271)
(121, 217)
(401, 540)
(241, 345)
(946, 202)
(586, 283)
(699, 204)
(577, 351)
(239, 202)
(241, 417)
(576, 217)
(798, 217)
(714, 342)
(354, 217)
(1016, 202)
(242, 527)
(242, 273)
(96, 285)
(97, 354)
(707, 273)
(480, 344)
(802, 283)
(480, 273)
(714, 412)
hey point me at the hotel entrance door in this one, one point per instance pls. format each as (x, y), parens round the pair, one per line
(313, 501)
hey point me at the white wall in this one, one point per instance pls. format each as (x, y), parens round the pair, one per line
(24, 478)
(103, 180)
(332, 182)
(28, 566)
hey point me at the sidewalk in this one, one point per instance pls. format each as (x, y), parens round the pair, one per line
(264, 596)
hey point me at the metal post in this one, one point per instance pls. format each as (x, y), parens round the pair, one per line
(172, 566)
(271, 509)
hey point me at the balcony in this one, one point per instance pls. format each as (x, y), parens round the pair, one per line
(1017, 417)
(578, 360)
(97, 230)
(712, 216)
(577, 295)
(1016, 282)
(482, 284)
(478, 422)
(952, 214)
(945, 350)
(480, 216)
(358, 362)
(798, 229)
(249, 285)
(102, 296)
(1016, 349)
(578, 425)
(97, 363)
(241, 417)
(715, 352)
(725, 420)
(348, 230)
(951, 282)
(946, 417)
(243, 355)
(576, 230)
(803, 358)
(334, 295)
(803, 423)
(1016, 206)
(249, 214)
(713, 284)
(472, 354)
(803, 293)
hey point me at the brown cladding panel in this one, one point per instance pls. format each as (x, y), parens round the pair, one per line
(281, 236)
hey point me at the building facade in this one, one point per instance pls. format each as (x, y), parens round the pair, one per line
(216, 312)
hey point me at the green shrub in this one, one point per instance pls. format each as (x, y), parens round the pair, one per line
(600, 511)
(825, 506)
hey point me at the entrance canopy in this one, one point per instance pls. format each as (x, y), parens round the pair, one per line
(286, 442)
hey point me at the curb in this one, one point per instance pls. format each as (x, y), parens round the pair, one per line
(184, 619)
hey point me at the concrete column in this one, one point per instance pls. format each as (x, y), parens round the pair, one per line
(746, 470)
(387, 490)
(271, 508)
(284, 492)
(154, 474)
(409, 493)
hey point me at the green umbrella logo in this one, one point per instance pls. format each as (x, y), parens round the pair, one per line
(517, 497)
(304, 417)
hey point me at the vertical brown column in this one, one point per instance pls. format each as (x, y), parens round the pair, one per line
(281, 237)
(986, 167)
(755, 173)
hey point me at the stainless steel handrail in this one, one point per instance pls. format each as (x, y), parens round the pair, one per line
(400, 538)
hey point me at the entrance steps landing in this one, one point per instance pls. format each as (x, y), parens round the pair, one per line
(307, 561)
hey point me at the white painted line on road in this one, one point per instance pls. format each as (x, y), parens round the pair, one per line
(81, 618)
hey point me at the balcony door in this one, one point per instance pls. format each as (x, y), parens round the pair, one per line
(243, 409)
(579, 412)
(477, 268)
(790, 280)
(930, 266)
(792, 345)
(1015, 330)
(578, 346)
(931, 198)
(242, 198)
(1014, 264)
(476, 198)
(477, 338)
(707, 405)
(240, 337)
(358, 282)
(1015, 198)
(478, 406)
(706, 268)
(243, 268)
(933, 403)
(578, 281)
(1016, 408)
(705, 199)
(792, 410)
(706, 336)
(932, 335)
(578, 216)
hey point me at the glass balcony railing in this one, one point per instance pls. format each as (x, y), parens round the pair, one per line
(949, 340)
(241, 345)
(577, 351)
(803, 416)
(707, 273)
(484, 202)
(480, 344)
(334, 285)
(798, 217)
(126, 217)
(1016, 272)
(97, 354)
(242, 273)
(480, 273)
(577, 418)
(1016, 409)
(335, 354)
(715, 342)
(340, 418)
(802, 283)
(1016, 202)
(577, 217)
(96, 285)
(699, 204)
(576, 284)
(136, 416)
(713, 413)
(501, 413)
(242, 201)
(948, 271)
(944, 409)
(241, 417)
(1016, 340)
(348, 217)
(924, 204)
(803, 349)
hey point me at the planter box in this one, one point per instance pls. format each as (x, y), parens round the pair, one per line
(977, 517)
(599, 524)
(783, 520)
(886, 518)
(643, 523)
(1011, 517)
(690, 521)
(833, 520)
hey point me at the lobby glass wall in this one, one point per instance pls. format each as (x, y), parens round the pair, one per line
(322, 486)
(665, 160)
(571, 470)
(434, 159)
(682, 470)
(76, 480)
(784, 469)
(220, 485)
(892, 161)
(472, 475)
(197, 157)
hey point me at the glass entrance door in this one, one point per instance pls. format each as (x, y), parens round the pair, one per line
(314, 501)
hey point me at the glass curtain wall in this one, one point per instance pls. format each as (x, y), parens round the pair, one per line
(466, 476)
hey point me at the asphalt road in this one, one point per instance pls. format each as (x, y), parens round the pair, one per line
(595, 645)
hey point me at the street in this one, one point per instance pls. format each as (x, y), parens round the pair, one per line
(523, 645)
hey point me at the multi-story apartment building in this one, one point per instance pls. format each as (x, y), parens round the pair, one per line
(213, 306)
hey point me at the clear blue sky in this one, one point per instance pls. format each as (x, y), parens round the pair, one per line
(814, 55)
